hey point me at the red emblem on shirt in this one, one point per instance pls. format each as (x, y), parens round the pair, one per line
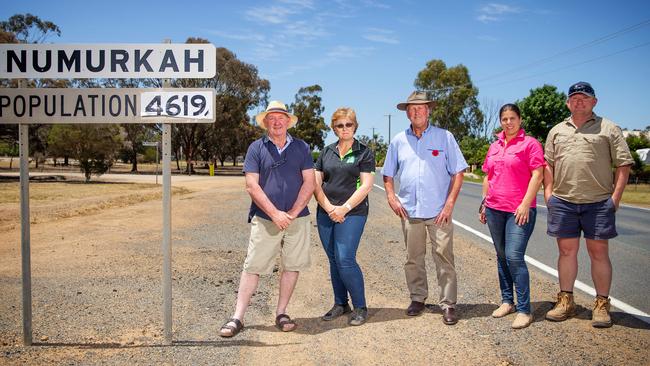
(435, 152)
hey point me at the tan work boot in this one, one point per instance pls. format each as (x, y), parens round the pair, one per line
(503, 310)
(600, 316)
(564, 307)
(522, 321)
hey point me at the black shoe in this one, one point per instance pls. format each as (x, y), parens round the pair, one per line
(416, 308)
(359, 316)
(336, 311)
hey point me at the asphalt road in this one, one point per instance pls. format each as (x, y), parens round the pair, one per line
(629, 252)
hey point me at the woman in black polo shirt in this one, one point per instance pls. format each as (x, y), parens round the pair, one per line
(343, 180)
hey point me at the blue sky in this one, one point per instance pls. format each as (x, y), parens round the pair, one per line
(366, 53)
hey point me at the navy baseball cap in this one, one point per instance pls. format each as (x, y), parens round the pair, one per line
(582, 87)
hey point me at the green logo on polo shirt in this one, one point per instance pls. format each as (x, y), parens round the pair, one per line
(350, 159)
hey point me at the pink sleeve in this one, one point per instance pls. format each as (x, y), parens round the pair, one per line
(536, 155)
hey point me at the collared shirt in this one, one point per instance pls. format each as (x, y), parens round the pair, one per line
(341, 174)
(582, 159)
(509, 168)
(280, 149)
(424, 167)
(280, 173)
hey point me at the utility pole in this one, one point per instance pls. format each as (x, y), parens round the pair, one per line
(388, 115)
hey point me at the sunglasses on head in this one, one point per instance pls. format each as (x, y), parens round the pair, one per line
(346, 125)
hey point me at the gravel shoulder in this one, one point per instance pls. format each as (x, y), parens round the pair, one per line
(96, 283)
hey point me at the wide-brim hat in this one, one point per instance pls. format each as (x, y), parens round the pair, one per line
(275, 107)
(417, 97)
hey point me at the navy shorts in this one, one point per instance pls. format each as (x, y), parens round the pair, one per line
(596, 220)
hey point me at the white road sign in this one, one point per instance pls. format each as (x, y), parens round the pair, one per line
(164, 60)
(105, 105)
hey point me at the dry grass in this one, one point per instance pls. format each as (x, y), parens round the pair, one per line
(637, 194)
(50, 201)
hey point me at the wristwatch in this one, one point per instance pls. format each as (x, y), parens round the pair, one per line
(347, 205)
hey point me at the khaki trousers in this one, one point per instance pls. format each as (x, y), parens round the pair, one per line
(441, 237)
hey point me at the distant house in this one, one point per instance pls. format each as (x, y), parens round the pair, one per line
(644, 154)
(627, 133)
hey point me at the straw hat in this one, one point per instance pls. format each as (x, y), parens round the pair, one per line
(275, 107)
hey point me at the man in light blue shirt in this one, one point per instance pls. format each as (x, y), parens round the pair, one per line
(429, 166)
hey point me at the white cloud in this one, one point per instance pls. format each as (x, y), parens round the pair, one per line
(341, 52)
(269, 15)
(487, 38)
(303, 29)
(375, 4)
(238, 36)
(309, 4)
(380, 35)
(494, 12)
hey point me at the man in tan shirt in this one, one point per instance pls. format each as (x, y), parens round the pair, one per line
(582, 194)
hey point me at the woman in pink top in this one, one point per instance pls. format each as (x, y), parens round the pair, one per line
(514, 165)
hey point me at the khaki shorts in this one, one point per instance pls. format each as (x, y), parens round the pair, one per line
(267, 241)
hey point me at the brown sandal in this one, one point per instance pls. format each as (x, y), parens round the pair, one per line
(233, 330)
(282, 320)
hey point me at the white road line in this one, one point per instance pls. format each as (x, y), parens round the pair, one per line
(553, 272)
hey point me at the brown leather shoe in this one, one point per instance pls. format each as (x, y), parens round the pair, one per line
(416, 308)
(449, 316)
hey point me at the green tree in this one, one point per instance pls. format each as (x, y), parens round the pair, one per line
(58, 141)
(377, 145)
(28, 28)
(636, 142)
(93, 146)
(637, 167)
(311, 125)
(238, 89)
(474, 149)
(457, 108)
(542, 109)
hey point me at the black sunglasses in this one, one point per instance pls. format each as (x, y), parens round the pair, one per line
(348, 125)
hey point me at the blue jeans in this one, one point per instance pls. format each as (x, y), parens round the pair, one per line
(510, 241)
(341, 242)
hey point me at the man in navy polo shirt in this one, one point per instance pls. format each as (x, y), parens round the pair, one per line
(280, 180)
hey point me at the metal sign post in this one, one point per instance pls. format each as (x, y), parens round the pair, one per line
(167, 227)
(25, 242)
(25, 250)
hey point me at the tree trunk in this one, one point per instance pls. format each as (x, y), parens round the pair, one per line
(65, 161)
(234, 160)
(134, 162)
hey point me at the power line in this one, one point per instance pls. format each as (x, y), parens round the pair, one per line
(572, 65)
(546, 59)
(571, 50)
